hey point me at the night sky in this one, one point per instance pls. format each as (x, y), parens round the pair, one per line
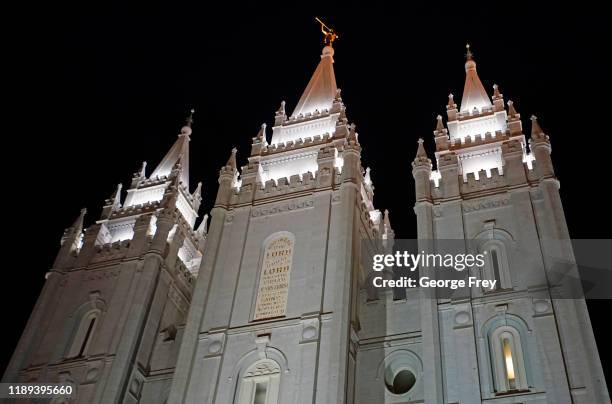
(94, 92)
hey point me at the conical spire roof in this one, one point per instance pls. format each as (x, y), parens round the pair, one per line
(77, 226)
(178, 152)
(321, 89)
(474, 94)
(421, 153)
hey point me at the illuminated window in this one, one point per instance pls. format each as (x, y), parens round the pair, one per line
(510, 377)
(260, 383)
(508, 362)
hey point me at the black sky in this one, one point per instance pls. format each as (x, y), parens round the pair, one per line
(93, 92)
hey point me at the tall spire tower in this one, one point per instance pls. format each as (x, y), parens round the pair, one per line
(516, 340)
(275, 310)
(108, 317)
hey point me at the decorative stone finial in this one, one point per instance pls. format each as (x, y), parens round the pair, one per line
(421, 149)
(186, 130)
(203, 227)
(386, 219)
(421, 159)
(366, 178)
(261, 135)
(198, 190)
(439, 124)
(338, 96)
(231, 162)
(352, 134)
(117, 197)
(451, 102)
(536, 130)
(496, 93)
(511, 110)
(143, 169)
(281, 110)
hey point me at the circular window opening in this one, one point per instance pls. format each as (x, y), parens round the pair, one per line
(403, 381)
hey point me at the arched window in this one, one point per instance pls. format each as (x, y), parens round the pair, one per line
(273, 286)
(509, 373)
(260, 383)
(496, 265)
(84, 334)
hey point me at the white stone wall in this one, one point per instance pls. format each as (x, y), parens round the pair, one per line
(233, 287)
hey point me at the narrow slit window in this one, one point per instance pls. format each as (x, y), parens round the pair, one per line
(495, 262)
(83, 335)
(87, 336)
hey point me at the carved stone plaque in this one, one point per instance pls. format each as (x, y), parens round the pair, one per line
(274, 279)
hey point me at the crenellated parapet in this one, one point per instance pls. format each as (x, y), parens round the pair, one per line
(109, 252)
(478, 140)
(482, 181)
(476, 113)
(476, 163)
(302, 117)
(133, 210)
(283, 186)
(299, 143)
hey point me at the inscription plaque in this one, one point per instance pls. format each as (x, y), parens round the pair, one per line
(274, 279)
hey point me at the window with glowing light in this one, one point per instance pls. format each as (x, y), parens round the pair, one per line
(510, 377)
(508, 361)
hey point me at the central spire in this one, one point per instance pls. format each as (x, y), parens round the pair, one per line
(178, 151)
(321, 89)
(474, 94)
